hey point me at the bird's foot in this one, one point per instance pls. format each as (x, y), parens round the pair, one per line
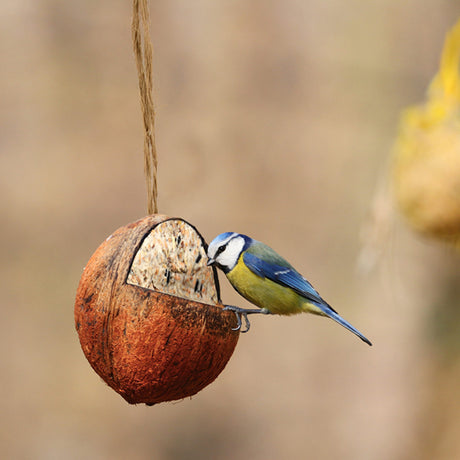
(244, 312)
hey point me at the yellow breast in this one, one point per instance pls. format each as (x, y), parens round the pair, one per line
(265, 293)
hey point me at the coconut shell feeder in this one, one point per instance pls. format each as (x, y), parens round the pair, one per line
(148, 311)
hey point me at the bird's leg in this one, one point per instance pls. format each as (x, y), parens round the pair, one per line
(244, 312)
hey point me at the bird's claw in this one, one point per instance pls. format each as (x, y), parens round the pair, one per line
(243, 312)
(239, 312)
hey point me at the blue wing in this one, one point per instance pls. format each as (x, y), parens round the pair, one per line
(284, 275)
(287, 276)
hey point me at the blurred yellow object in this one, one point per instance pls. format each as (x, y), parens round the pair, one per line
(426, 159)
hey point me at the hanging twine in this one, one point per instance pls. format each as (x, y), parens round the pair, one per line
(142, 46)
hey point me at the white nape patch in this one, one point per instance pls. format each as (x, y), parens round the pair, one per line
(229, 256)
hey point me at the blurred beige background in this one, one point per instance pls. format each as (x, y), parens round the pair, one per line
(275, 119)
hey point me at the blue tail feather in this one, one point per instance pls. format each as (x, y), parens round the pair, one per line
(331, 313)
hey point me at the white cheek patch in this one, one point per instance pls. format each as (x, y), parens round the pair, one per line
(216, 244)
(229, 257)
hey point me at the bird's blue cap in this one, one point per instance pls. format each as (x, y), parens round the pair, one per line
(222, 237)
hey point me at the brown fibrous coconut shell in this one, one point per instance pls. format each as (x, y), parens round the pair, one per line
(149, 346)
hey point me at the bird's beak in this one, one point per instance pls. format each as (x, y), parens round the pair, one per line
(210, 262)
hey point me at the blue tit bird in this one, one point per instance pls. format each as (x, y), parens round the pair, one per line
(267, 280)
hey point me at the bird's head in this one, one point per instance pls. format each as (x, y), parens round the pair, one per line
(225, 250)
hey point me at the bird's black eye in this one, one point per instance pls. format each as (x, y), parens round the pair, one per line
(219, 250)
